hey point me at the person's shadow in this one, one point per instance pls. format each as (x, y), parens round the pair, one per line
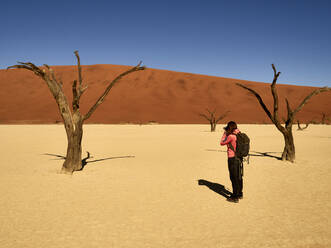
(216, 187)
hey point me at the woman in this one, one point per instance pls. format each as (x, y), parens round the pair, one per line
(229, 138)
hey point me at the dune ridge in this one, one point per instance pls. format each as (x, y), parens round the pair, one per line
(153, 95)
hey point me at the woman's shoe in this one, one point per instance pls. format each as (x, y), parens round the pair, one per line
(233, 199)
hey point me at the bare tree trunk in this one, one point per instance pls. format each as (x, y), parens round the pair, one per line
(289, 148)
(212, 126)
(73, 161)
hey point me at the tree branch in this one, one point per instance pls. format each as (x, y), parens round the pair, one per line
(81, 88)
(28, 66)
(52, 75)
(222, 116)
(313, 93)
(80, 80)
(56, 88)
(302, 128)
(210, 112)
(274, 93)
(75, 97)
(259, 99)
(212, 115)
(289, 111)
(276, 74)
(205, 116)
(48, 76)
(111, 84)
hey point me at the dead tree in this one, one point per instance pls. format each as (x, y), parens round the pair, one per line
(72, 117)
(324, 118)
(302, 128)
(212, 119)
(289, 149)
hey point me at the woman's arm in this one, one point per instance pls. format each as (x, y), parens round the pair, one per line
(226, 139)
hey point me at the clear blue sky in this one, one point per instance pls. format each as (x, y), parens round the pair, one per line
(238, 39)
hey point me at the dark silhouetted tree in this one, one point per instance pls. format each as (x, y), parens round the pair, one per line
(213, 120)
(289, 149)
(72, 117)
(325, 119)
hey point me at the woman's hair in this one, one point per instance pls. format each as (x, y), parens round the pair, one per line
(231, 126)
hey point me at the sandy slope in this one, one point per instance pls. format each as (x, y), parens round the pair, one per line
(151, 95)
(153, 198)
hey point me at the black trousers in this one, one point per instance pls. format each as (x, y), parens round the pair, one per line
(236, 176)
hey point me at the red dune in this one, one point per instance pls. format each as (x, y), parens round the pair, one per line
(151, 96)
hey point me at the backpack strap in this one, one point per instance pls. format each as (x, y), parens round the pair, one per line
(231, 147)
(242, 168)
(246, 159)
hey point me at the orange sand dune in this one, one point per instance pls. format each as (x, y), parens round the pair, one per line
(149, 96)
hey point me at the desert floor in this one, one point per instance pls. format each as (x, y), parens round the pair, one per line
(140, 189)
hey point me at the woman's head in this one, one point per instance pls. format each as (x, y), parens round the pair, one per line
(230, 127)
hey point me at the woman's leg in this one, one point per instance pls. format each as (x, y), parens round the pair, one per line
(234, 170)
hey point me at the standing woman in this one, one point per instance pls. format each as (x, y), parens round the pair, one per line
(229, 138)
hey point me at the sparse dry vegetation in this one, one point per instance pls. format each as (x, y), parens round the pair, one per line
(289, 149)
(72, 117)
(213, 120)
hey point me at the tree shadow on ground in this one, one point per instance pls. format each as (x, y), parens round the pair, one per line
(265, 154)
(216, 187)
(252, 153)
(84, 160)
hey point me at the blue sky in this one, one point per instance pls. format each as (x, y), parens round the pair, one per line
(237, 39)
